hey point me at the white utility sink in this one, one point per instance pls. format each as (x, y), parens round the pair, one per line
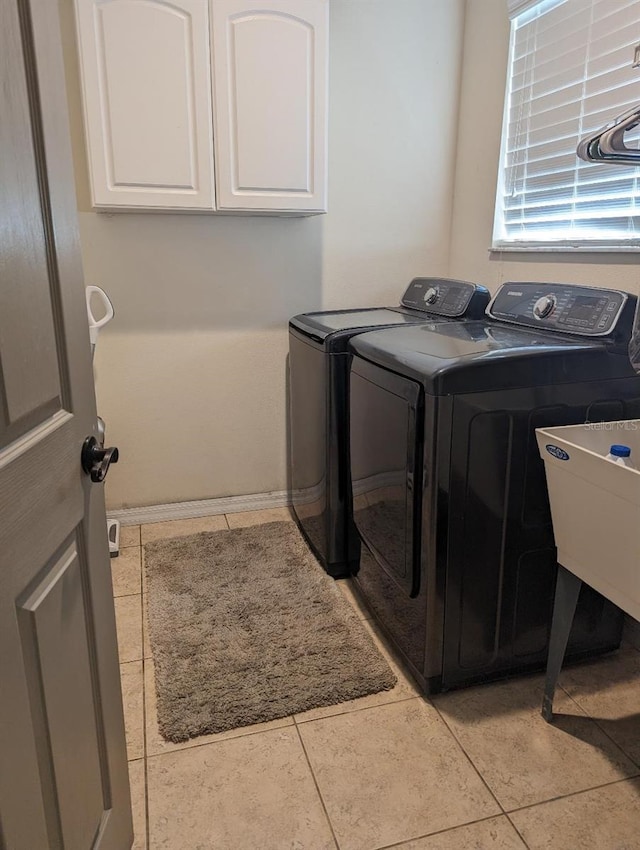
(595, 505)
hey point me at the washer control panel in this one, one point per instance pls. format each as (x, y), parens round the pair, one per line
(440, 296)
(565, 308)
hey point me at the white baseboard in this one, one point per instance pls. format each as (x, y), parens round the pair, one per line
(202, 507)
(235, 504)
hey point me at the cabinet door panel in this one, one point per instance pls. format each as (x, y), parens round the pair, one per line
(270, 81)
(147, 96)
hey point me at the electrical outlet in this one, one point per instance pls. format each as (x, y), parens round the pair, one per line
(636, 57)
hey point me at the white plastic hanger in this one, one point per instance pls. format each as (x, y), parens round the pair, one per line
(607, 145)
(96, 324)
(612, 141)
(113, 525)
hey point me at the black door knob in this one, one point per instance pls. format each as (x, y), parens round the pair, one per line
(96, 460)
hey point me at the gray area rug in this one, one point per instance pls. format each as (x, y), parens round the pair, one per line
(245, 626)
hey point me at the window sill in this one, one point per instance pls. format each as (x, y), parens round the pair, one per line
(564, 249)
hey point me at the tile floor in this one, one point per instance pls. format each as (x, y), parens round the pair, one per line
(472, 770)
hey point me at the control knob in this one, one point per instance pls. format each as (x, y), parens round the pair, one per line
(431, 295)
(544, 306)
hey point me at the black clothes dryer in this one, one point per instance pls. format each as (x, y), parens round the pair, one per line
(458, 563)
(319, 372)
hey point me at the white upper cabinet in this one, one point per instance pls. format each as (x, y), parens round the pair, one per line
(163, 79)
(147, 100)
(270, 88)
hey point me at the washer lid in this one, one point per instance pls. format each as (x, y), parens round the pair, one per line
(426, 298)
(333, 328)
(456, 357)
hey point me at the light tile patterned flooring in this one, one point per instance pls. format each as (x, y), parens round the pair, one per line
(477, 769)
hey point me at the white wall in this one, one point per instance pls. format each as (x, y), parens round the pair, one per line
(395, 79)
(485, 58)
(191, 373)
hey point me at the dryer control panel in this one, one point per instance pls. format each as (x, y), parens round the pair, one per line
(561, 307)
(444, 297)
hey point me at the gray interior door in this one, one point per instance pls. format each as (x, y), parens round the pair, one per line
(63, 768)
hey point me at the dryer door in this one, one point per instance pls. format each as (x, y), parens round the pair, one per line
(386, 462)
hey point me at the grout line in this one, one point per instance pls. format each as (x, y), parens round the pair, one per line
(594, 720)
(405, 841)
(634, 761)
(132, 545)
(585, 716)
(465, 753)
(521, 836)
(572, 794)
(144, 732)
(226, 519)
(141, 661)
(285, 726)
(181, 748)
(315, 782)
(147, 828)
(353, 710)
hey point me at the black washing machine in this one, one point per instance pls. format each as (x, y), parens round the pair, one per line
(319, 373)
(458, 563)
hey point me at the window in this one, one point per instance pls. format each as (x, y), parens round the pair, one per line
(570, 74)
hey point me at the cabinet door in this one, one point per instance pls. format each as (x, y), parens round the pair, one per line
(145, 70)
(270, 90)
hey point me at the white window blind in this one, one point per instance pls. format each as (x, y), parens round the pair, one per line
(570, 74)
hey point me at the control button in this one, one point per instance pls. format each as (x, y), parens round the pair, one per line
(603, 322)
(431, 295)
(544, 306)
(611, 306)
